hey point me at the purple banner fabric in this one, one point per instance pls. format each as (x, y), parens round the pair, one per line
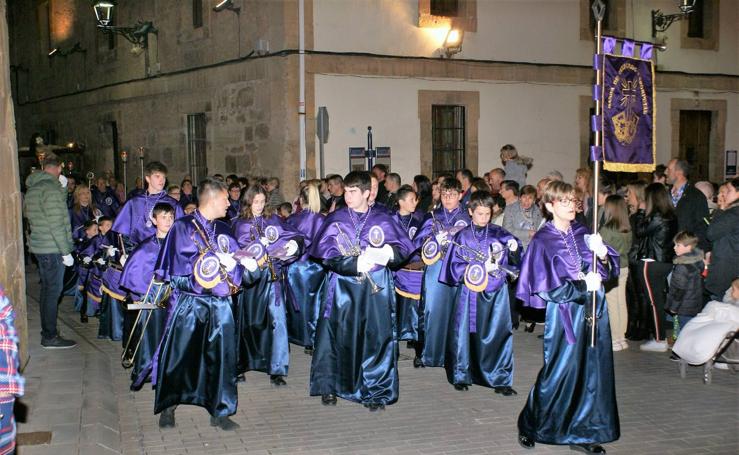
(596, 154)
(597, 61)
(646, 51)
(595, 123)
(597, 92)
(609, 44)
(627, 50)
(628, 114)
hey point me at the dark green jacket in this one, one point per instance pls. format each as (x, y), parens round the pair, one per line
(620, 241)
(45, 207)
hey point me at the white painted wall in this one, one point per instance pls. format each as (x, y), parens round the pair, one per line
(542, 31)
(543, 121)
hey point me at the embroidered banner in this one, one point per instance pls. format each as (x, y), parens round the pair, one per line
(628, 121)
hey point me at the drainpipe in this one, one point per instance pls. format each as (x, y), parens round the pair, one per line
(301, 101)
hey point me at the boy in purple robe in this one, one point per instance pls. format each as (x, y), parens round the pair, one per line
(86, 249)
(574, 398)
(356, 347)
(137, 281)
(433, 238)
(196, 362)
(480, 343)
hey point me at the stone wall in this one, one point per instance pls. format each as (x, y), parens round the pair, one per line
(12, 269)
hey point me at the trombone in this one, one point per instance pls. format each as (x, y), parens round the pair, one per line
(150, 303)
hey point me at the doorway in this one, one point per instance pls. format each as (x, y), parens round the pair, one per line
(695, 142)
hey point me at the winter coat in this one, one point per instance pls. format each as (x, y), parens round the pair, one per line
(620, 241)
(45, 207)
(655, 235)
(685, 293)
(723, 233)
(692, 212)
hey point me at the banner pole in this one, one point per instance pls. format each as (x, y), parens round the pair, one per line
(598, 10)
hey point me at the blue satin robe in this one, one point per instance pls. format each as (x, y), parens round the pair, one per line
(408, 285)
(356, 347)
(304, 279)
(574, 398)
(480, 343)
(197, 355)
(87, 247)
(137, 274)
(260, 311)
(437, 297)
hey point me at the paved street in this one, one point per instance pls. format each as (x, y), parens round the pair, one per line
(81, 396)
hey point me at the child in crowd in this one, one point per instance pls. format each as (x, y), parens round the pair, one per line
(480, 345)
(498, 210)
(522, 218)
(616, 232)
(516, 167)
(285, 210)
(685, 291)
(87, 299)
(190, 207)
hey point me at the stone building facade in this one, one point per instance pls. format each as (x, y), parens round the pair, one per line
(523, 77)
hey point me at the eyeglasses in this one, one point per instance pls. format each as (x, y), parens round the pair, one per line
(567, 201)
(450, 194)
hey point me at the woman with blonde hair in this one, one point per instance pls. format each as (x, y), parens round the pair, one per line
(515, 166)
(83, 210)
(304, 276)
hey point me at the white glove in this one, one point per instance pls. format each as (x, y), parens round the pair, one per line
(491, 266)
(512, 245)
(264, 241)
(364, 264)
(592, 280)
(387, 250)
(86, 260)
(442, 237)
(227, 261)
(291, 248)
(63, 180)
(249, 264)
(68, 260)
(111, 250)
(100, 261)
(596, 245)
(123, 260)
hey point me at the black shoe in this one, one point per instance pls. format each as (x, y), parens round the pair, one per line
(57, 343)
(460, 387)
(277, 380)
(83, 318)
(166, 418)
(541, 337)
(308, 350)
(328, 399)
(588, 448)
(241, 378)
(525, 441)
(674, 357)
(418, 363)
(505, 391)
(224, 423)
(530, 328)
(375, 406)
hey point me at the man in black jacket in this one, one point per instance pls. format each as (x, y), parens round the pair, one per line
(723, 233)
(690, 204)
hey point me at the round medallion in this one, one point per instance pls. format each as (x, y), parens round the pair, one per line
(412, 231)
(376, 236)
(430, 253)
(108, 200)
(271, 233)
(496, 250)
(207, 271)
(461, 224)
(224, 244)
(475, 277)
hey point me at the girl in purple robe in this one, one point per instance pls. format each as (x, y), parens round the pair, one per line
(480, 343)
(87, 298)
(83, 209)
(574, 398)
(408, 279)
(260, 311)
(304, 276)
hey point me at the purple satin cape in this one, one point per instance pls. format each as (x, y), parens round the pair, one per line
(307, 223)
(131, 220)
(139, 269)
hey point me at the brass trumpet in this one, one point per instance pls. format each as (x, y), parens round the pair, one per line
(354, 251)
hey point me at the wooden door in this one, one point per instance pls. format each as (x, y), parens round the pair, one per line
(695, 138)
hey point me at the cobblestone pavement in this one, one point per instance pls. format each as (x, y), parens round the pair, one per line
(81, 396)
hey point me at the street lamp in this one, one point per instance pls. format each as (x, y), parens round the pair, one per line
(226, 5)
(453, 42)
(137, 34)
(661, 22)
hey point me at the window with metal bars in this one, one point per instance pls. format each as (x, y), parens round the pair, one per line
(448, 8)
(447, 139)
(196, 145)
(197, 13)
